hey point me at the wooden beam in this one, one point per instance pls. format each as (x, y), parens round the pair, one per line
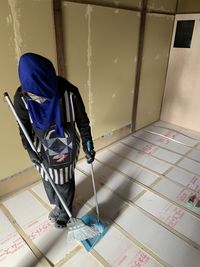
(177, 6)
(120, 5)
(104, 4)
(139, 63)
(57, 12)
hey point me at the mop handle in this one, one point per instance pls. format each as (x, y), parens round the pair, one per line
(8, 100)
(93, 183)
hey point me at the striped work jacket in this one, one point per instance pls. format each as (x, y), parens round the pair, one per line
(73, 109)
(64, 174)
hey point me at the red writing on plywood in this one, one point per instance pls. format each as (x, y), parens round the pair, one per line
(40, 229)
(8, 237)
(140, 259)
(171, 215)
(11, 247)
(132, 258)
(148, 149)
(169, 134)
(194, 184)
(184, 195)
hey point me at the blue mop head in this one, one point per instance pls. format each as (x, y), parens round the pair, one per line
(102, 227)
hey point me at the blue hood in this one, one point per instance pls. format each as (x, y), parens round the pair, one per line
(37, 76)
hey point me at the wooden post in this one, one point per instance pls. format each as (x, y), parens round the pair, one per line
(139, 63)
(57, 11)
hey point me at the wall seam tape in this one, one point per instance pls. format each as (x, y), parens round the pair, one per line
(41, 257)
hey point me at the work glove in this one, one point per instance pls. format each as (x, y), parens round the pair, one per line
(35, 157)
(89, 152)
(90, 155)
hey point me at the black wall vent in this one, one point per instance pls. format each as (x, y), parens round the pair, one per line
(184, 31)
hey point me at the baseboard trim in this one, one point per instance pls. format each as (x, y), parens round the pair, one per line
(18, 181)
(112, 137)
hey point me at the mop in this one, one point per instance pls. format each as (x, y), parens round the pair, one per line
(77, 228)
(92, 220)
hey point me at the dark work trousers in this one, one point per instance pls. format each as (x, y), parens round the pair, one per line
(66, 190)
